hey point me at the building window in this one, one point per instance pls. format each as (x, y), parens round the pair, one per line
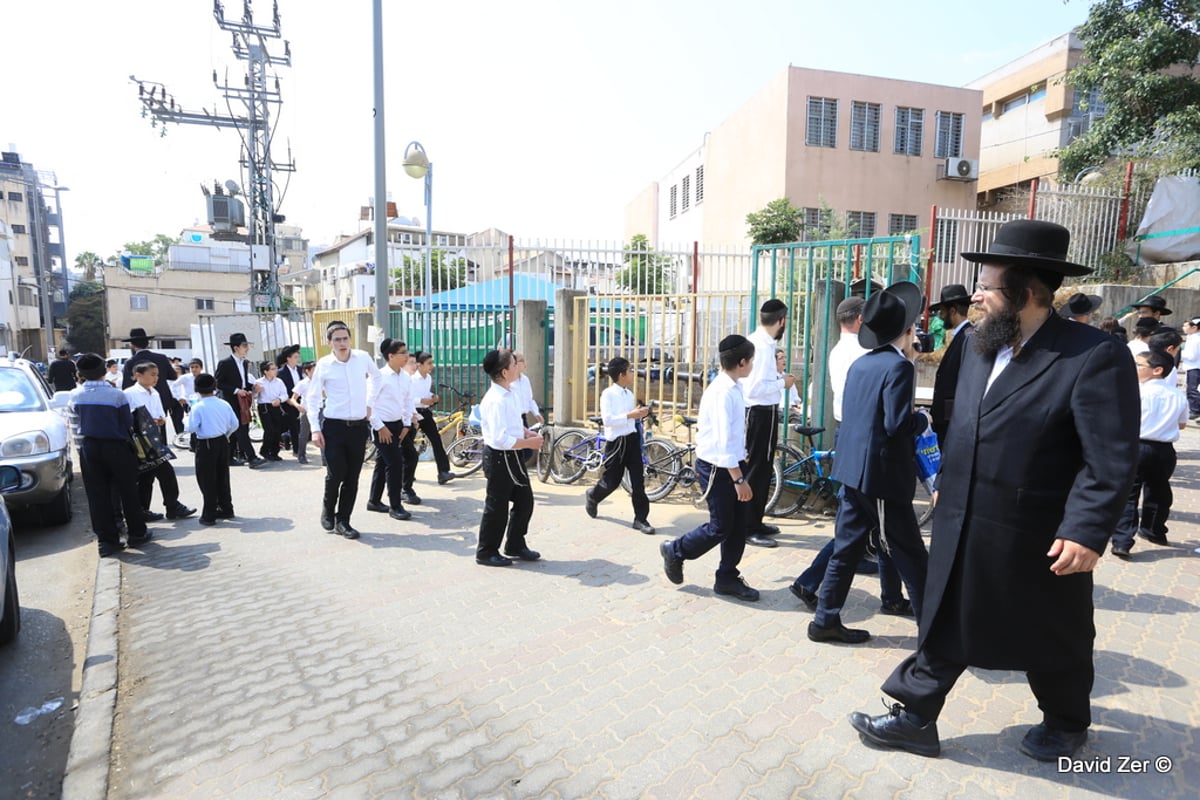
(821, 128)
(686, 185)
(21, 261)
(864, 126)
(945, 242)
(674, 201)
(1014, 103)
(204, 304)
(949, 135)
(18, 228)
(816, 224)
(861, 224)
(910, 130)
(139, 302)
(901, 223)
(699, 184)
(25, 295)
(443, 240)
(15, 197)
(1087, 104)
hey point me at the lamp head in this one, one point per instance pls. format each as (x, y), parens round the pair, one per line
(416, 162)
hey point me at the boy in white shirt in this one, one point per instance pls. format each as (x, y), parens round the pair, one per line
(143, 395)
(623, 451)
(720, 467)
(297, 402)
(272, 394)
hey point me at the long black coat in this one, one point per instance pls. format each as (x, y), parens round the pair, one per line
(1048, 453)
(230, 378)
(946, 381)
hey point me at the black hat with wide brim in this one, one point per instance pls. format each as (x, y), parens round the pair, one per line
(953, 294)
(889, 313)
(1154, 303)
(1031, 243)
(136, 334)
(1080, 304)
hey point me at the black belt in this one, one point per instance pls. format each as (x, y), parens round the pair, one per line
(349, 423)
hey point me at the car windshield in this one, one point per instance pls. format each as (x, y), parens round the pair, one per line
(17, 392)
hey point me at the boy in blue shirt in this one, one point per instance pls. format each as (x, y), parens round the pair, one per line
(213, 422)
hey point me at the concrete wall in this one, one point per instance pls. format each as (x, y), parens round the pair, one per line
(171, 299)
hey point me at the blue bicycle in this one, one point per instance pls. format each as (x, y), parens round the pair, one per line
(801, 480)
(576, 452)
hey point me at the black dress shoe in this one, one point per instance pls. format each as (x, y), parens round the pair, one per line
(590, 505)
(1049, 744)
(808, 598)
(410, 499)
(236, 462)
(301, 460)
(837, 633)
(672, 566)
(375, 505)
(180, 511)
(108, 549)
(736, 588)
(138, 541)
(902, 608)
(899, 730)
(273, 457)
(525, 554)
(151, 516)
(224, 513)
(1152, 537)
(344, 529)
(759, 540)
(256, 463)
(493, 561)
(643, 526)
(206, 521)
(445, 477)
(1121, 551)
(327, 521)
(767, 530)
(399, 513)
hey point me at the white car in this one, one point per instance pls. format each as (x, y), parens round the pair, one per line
(10, 604)
(34, 438)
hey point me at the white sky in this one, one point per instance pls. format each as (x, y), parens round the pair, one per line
(542, 117)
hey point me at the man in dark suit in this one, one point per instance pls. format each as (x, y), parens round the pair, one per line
(234, 381)
(876, 460)
(1038, 463)
(139, 343)
(952, 309)
(288, 362)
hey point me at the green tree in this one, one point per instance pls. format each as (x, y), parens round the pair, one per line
(157, 247)
(1138, 58)
(779, 222)
(85, 318)
(448, 272)
(645, 272)
(88, 263)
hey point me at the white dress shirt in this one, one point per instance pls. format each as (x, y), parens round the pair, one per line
(763, 386)
(345, 387)
(392, 400)
(141, 397)
(615, 404)
(843, 354)
(422, 387)
(1190, 354)
(524, 391)
(1137, 345)
(500, 418)
(272, 390)
(721, 429)
(1164, 409)
(299, 390)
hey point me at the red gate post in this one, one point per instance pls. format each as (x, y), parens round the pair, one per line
(1123, 218)
(1033, 187)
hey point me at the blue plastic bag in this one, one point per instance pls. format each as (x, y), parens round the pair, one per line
(929, 455)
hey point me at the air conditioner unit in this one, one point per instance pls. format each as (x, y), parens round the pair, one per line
(962, 169)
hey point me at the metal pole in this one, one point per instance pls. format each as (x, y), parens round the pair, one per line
(62, 243)
(427, 345)
(382, 294)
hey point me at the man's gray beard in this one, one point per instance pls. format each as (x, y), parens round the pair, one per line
(998, 330)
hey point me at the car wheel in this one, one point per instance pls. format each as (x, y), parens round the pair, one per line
(58, 511)
(10, 614)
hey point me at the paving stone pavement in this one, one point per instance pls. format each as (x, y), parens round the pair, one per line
(269, 659)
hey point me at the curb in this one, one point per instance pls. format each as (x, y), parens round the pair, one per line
(86, 776)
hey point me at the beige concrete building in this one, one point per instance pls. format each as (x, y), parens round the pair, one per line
(879, 152)
(1028, 112)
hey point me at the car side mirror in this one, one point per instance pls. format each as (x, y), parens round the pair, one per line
(10, 478)
(60, 400)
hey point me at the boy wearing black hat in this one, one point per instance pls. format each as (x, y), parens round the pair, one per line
(102, 420)
(212, 422)
(237, 388)
(288, 362)
(721, 468)
(952, 309)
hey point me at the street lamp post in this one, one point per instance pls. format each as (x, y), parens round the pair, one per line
(382, 284)
(418, 165)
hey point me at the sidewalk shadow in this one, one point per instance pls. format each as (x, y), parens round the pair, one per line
(593, 572)
(456, 542)
(1113, 671)
(185, 558)
(259, 524)
(1109, 599)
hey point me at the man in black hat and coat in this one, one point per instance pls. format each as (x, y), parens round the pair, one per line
(876, 460)
(1036, 468)
(139, 344)
(952, 309)
(234, 381)
(1080, 307)
(288, 362)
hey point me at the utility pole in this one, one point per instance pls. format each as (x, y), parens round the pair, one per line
(258, 98)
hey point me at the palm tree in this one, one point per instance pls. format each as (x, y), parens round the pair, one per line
(88, 262)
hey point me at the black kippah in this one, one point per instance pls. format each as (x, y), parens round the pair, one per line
(731, 342)
(773, 306)
(205, 383)
(490, 361)
(90, 366)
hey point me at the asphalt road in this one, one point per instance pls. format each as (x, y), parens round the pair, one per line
(56, 569)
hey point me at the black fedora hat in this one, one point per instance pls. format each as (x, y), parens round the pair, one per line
(137, 333)
(1031, 243)
(953, 294)
(237, 338)
(1080, 304)
(1154, 303)
(890, 312)
(286, 353)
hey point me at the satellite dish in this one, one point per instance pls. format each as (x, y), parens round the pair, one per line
(233, 188)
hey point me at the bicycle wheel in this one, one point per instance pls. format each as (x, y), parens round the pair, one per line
(923, 502)
(569, 457)
(543, 456)
(660, 466)
(465, 456)
(792, 477)
(256, 429)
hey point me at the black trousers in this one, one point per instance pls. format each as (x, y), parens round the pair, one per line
(164, 473)
(109, 468)
(429, 428)
(271, 418)
(212, 473)
(176, 415)
(726, 524)
(345, 449)
(291, 425)
(507, 485)
(621, 455)
(923, 680)
(762, 434)
(1152, 488)
(1193, 392)
(858, 515)
(239, 441)
(390, 469)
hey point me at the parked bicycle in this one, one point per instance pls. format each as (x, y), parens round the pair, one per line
(800, 480)
(457, 421)
(576, 452)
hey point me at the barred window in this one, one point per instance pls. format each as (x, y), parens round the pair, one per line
(21, 261)
(910, 130)
(861, 223)
(674, 201)
(949, 135)
(699, 184)
(685, 184)
(203, 304)
(139, 302)
(864, 126)
(901, 223)
(18, 228)
(816, 224)
(821, 128)
(15, 197)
